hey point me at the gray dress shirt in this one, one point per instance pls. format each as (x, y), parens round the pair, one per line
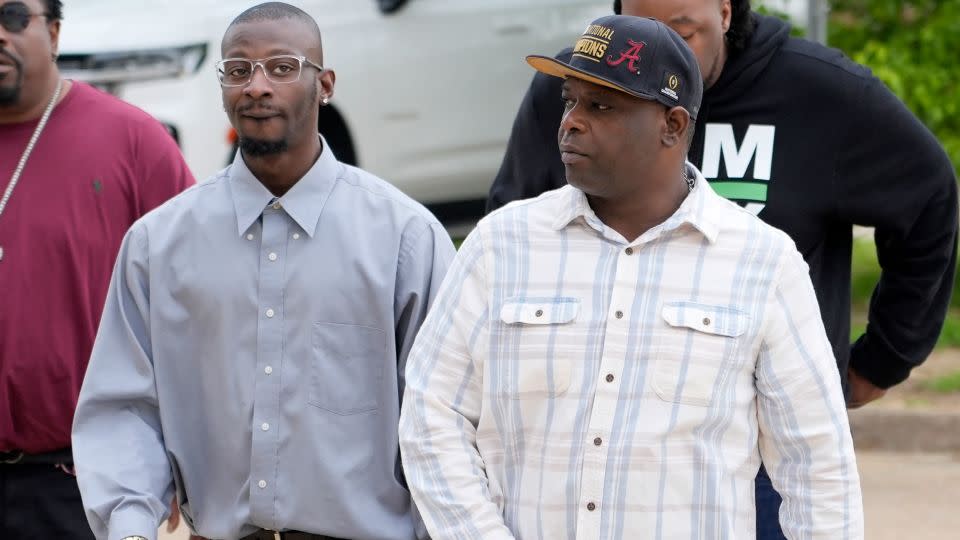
(251, 358)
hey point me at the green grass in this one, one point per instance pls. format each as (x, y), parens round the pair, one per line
(864, 272)
(950, 336)
(917, 403)
(946, 384)
(857, 328)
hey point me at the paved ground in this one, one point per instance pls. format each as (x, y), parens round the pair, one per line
(910, 496)
(906, 496)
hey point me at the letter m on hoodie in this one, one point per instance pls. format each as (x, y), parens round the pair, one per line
(756, 147)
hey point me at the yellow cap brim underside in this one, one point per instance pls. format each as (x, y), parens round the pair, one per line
(556, 68)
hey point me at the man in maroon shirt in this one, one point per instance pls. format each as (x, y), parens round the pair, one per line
(77, 168)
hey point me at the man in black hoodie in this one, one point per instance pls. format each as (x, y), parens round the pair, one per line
(813, 143)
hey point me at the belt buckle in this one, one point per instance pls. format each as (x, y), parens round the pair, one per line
(16, 457)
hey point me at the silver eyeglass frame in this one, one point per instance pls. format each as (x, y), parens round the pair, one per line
(254, 63)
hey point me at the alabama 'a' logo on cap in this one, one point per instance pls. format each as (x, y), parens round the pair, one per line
(631, 54)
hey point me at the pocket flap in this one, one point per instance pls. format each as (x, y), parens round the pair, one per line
(557, 310)
(706, 318)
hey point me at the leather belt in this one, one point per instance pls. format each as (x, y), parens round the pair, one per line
(18, 457)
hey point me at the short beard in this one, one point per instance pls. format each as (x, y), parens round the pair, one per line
(259, 148)
(9, 96)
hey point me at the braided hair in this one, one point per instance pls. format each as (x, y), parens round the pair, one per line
(742, 25)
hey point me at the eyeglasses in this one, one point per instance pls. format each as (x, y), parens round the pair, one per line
(15, 16)
(278, 69)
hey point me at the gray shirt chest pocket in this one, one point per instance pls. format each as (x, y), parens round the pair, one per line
(347, 368)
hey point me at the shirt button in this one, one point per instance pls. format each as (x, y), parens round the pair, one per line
(268, 370)
(619, 314)
(250, 237)
(296, 236)
(276, 205)
(272, 256)
(598, 441)
(270, 313)
(539, 313)
(591, 507)
(628, 251)
(609, 377)
(265, 426)
(706, 321)
(262, 484)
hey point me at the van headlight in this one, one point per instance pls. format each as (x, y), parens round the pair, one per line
(123, 66)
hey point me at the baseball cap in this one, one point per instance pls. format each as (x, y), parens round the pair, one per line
(640, 56)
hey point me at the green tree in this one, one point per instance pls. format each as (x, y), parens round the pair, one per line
(913, 46)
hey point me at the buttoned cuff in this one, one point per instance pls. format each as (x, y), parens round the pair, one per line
(132, 522)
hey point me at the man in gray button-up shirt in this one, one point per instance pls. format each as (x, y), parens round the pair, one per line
(251, 353)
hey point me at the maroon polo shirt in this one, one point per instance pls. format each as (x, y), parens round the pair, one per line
(98, 166)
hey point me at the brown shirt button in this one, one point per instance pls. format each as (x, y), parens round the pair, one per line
(598, 441)
(619, 314)
(591, 507)
(609, 377)
(628, 251)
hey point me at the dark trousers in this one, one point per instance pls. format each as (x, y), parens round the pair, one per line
(768, 508)
(41, 502)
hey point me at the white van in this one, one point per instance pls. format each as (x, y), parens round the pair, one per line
(426, 89)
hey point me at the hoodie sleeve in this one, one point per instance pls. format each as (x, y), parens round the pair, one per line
(893, 175)
(531, 164)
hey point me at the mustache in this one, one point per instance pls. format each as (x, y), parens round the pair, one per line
(16, 61)
(265, 107)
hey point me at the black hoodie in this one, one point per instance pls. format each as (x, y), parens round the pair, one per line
(813, 143)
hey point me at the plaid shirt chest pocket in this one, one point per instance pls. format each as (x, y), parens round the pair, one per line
(532, 361)
(697, 350)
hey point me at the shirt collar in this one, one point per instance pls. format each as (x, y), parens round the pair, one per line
(303, 202)
(697, 209)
